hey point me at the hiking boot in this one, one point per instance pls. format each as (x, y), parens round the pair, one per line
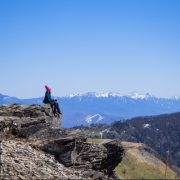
(57, 115)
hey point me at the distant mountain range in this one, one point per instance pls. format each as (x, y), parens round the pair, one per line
(161, 133)
(107, 107)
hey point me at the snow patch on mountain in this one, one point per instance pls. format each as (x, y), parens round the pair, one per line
(95, 118)
(73, 95)
(146, 126)
(133, 95)
(136, 95)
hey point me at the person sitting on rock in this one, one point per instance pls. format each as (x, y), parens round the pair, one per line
(53, 102)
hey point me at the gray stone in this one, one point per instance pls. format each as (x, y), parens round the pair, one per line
(31, 149)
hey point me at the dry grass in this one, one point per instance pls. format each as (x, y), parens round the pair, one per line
(98, 141)
(140, 164)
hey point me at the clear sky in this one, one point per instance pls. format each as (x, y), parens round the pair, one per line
(78, 46)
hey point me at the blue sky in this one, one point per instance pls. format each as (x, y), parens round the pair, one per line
(78, 46)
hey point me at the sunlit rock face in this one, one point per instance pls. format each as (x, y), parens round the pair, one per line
(33, 149)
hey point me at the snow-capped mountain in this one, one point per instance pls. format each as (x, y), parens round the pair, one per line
(105, 107)
(133, 95)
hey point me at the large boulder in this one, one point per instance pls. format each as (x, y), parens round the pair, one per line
(28, 121)
(76, 152)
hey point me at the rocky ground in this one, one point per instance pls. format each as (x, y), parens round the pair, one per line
(33, 149)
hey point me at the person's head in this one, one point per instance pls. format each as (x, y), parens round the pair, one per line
(48, 89)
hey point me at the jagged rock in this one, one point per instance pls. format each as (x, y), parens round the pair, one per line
(75, 152)
(33, 150)
(21, 161)
(20, 111)
(31, 121)
(23, 116)
(115, 153)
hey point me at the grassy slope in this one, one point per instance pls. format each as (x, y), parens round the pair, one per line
(140, 164)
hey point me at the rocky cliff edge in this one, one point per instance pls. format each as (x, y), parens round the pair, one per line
(31, 149)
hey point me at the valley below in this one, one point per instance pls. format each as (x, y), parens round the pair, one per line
(33, 149)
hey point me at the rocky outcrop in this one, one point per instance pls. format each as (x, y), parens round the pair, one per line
(22, 161)
(28, 122)
(32, 149)
(76, 152)
(21, 116)
(20, 111)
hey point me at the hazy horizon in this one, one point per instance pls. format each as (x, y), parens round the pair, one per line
(132, 93)
(78, 46)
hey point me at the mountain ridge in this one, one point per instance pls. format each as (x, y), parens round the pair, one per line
(133, 95)
(110, 106)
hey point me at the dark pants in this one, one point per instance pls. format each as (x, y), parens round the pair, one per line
(55, 107)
